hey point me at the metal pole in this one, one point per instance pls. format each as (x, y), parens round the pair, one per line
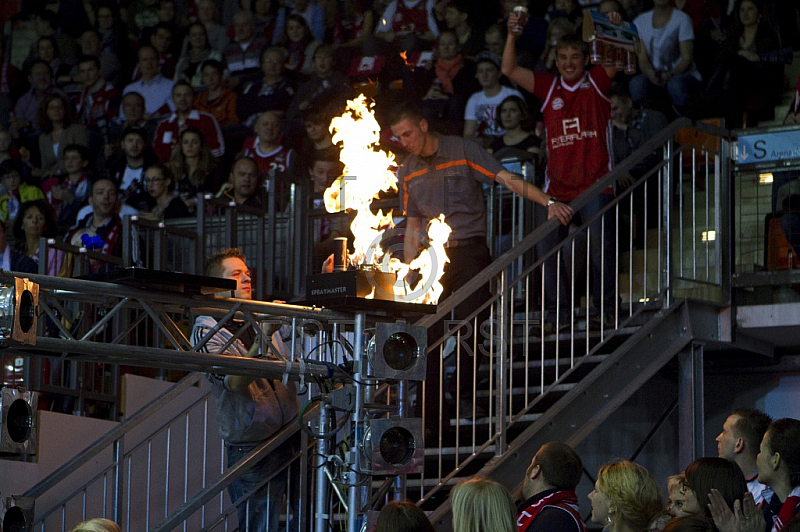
(690, 404)
(321, 500)
(354, 499)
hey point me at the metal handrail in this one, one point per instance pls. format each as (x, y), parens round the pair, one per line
(500, 263)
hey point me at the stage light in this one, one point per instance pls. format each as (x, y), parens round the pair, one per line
(397, 445)
(18, 433)
(19, 308)
(397, 351)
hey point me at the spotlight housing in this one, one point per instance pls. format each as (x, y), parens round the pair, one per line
(19, 308)
(397, 351)
(18, 432)
(397, 445)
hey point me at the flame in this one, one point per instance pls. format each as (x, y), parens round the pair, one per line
(404, 55)
(430, 263)
(367, 172)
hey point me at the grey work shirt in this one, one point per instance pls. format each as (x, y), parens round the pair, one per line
(449, 182)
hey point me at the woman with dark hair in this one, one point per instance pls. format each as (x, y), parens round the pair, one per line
(516, 120)
(706, 473)
(56, 119)
(747, 87)
(47, 50)
(194, 168)
(300, 44)
(402, 516)
(196, 50)
(778, 463)
(35, 221)
(161, 198)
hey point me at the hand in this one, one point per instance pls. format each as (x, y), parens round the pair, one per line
(562, 211)
(745, 517)
(615, 18)
(792, 118)
(750, 56)
(435, 93)
(514, 27)
(626, 181)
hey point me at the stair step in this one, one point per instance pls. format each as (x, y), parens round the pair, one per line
(461, 451)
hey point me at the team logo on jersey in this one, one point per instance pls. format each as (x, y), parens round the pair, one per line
(558, 103)
(571, 125)
(585, 84)
(571, 133)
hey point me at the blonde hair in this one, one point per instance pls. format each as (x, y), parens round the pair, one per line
(675, 482)
(97, 524)
(482, 505)
(634, 497)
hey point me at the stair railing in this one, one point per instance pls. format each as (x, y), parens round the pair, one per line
(528, 343)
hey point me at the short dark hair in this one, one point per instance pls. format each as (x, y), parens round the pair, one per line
(214, 263)
(137, 94)
(163, 26)
(103, 178)
(90, 58)
(10, 165)
(718, 473)
(619, 90)
(403, 516)
(83, 151)
(280, 49)
(750, 425)
(573, 40)
(213, 63)
(560, 464)
(784, 435)
(405, 109)
(182, 83)
(135, 130)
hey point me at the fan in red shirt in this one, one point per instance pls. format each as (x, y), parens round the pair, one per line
(273, 159)
(186, 116)
(577, 116)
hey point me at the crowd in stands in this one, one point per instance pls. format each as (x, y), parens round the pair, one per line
(753, 485)
(163, 97)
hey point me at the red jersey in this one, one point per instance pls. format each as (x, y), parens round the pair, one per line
(410, 19)
(577, 119)
(97, 109)
(275, 163)
(169, 130)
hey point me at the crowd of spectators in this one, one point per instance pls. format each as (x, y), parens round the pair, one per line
(751, 486)
(164, 96)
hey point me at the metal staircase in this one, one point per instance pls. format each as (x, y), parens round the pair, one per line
(538, 379)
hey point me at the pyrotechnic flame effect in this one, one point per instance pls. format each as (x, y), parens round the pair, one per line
(367, 173)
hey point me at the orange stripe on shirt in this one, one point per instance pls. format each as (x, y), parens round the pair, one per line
(406, 179)
(464, 162)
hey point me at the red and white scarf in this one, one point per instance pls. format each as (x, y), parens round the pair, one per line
(789, 508)
(565, 500)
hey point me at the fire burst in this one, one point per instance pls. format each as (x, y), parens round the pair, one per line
(367, 172)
